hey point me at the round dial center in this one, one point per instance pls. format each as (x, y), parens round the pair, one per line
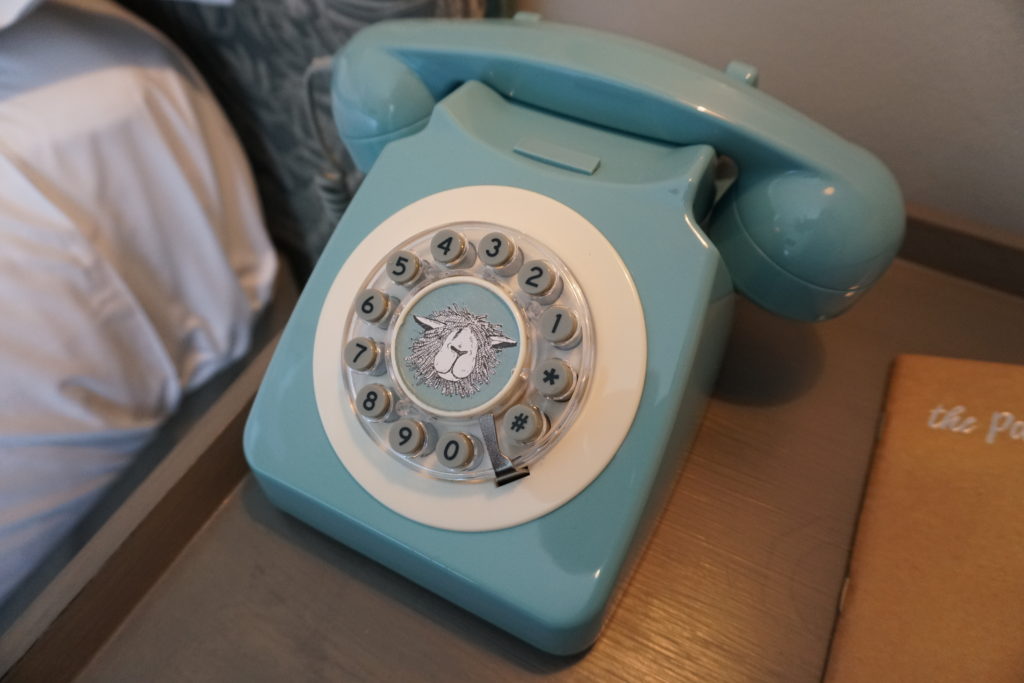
(459, 347)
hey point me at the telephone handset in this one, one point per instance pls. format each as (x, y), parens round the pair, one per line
(812, 221)
(492, 374)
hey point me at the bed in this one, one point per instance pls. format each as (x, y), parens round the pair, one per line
(133, 257)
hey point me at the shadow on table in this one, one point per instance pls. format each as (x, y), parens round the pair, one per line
(769, 360)
(395, 588)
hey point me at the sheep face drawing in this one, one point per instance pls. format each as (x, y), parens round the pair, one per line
(457, 352)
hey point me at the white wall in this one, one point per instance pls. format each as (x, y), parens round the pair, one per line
(933, 87)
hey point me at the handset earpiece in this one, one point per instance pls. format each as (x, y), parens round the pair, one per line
(804, 245)
(812, 220)
(376, 98)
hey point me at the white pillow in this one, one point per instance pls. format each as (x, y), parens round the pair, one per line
(12, 10)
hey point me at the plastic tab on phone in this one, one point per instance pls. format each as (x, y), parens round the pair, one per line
(527, 17)
(550, 153)
(504, 471)
(742, 72)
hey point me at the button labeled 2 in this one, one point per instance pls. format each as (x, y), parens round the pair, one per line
(538, 279)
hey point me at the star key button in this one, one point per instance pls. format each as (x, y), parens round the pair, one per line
(554, 379)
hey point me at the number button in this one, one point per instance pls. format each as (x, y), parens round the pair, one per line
(499, 251)
(361, 354)
(403, 267)
(496, 249)
(373, 305)
(558, 325)
(455, 450)
(407, 436)
(539, 279)
(373, 401)
(554, 379)
(451, 249)
(523, 423)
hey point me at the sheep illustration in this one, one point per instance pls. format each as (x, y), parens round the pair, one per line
(457, 352)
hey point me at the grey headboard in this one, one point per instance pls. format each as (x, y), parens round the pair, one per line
(254, 54)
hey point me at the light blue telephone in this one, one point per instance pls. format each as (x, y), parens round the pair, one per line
(497, 365)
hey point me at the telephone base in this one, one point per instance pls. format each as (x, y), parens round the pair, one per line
(540, 557)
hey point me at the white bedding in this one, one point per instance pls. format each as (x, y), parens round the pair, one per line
(132, 258)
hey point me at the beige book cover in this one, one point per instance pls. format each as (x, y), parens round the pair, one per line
(936, 580)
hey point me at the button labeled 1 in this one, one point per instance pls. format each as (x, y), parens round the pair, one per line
(558, 325)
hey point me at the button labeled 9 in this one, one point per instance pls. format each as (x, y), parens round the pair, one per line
(407, 436)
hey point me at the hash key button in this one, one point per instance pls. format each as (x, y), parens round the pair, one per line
(522, 423)
(554, 379)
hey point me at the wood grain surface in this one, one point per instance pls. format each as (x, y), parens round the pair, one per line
(740, 581)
